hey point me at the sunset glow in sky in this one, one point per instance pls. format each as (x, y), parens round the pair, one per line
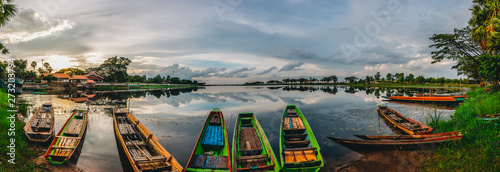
(236, 41)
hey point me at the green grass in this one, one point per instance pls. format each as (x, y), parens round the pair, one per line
(24, 152)
(479, 149)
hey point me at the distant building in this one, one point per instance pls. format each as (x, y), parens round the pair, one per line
(94, 77)
(61, 77)
(79, 79)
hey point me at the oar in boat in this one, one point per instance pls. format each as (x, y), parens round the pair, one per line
(150, 160)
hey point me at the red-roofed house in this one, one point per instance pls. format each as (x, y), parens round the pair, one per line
(61, 77)
(78, 79)
(95, 77)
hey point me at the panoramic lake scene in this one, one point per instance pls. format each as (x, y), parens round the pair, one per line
(237, 85)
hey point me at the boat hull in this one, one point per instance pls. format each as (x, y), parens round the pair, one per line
(50, 154)
(384, 112)
(249, 121)
(40, 136)
(218, 148)
(313, 165)
(151, 142)
(404, 137)
(428, 143)
(426, 99)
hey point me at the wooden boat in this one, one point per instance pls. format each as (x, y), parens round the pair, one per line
(402, 122)
(404, 137)
(427, 99)
(67, 141)
(426, 143)
(489, 117)
(211, 151)
(140, 146)
(251, 149)
(40, 128)
(299, 150)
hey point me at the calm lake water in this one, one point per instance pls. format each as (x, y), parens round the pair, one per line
(176, 117)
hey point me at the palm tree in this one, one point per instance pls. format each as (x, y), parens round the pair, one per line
(7, 11)
(33, 65)
(484, 22)
(46, 65)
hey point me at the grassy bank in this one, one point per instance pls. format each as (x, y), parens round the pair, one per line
(24, 153)
(479, 149)
(112, 87)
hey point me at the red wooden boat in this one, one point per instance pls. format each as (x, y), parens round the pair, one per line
(402, 122)
(427, 99)
(405, 137)
(397, 144)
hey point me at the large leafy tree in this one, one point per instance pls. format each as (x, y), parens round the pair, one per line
(114, 69)
(71, 71)
(458, 46)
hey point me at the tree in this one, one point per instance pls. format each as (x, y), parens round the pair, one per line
(389, 77)
(46, 65)
(176, 80)
(410, 78)
(33, 65)
(351, 79)
(459, 47)
(485, 23)
(377, 76)
(114, 69)
(157, 79)
(50, 69)
(19, 67)
(334, 78)
(420, 79)
(490, 69)
(72, 71)
(7, 11)
(3, 71)
(49, 78)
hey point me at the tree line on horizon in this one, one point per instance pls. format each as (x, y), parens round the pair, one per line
(114, 70)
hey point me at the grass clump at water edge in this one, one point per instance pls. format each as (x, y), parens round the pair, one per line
(479, 149)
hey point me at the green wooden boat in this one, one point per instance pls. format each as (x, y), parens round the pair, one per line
(299, 150)
(251, 149)
(69, 139)
(211, 152)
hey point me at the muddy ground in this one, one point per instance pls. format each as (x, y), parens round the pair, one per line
(387, 161)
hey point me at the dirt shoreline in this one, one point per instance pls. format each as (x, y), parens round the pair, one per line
(387, 161)
(43, 164)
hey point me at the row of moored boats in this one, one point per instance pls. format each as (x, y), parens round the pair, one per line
(251, 150)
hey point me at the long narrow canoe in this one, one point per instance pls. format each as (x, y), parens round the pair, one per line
(211, 151)
(427, 143)
(402, 122)
(140, 146)
(67, 141)
(427, 99)
(299, 150)
(40, 128)
(489, 117)
(404, 137)
(251, 149)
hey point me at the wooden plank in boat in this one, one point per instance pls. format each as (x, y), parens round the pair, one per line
(211, 162)
(289, 156)
(74, 127)
(253, 163)
(252, 157)
(299, 156)
(249, 142)
(310, 155)
(215, 119)
(222, 162)
(286, 123)
(153, 159)
(199, 161)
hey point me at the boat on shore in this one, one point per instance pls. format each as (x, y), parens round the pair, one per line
(211, 151)
(140, 146)
(402, 122)
(69, 139)
(251, 149)
(426, 143)
(404, 137)
(489, 117)
(299, 150)
(40, 127)
(427, 99)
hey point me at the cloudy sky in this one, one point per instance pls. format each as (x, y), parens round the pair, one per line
(236, 41)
